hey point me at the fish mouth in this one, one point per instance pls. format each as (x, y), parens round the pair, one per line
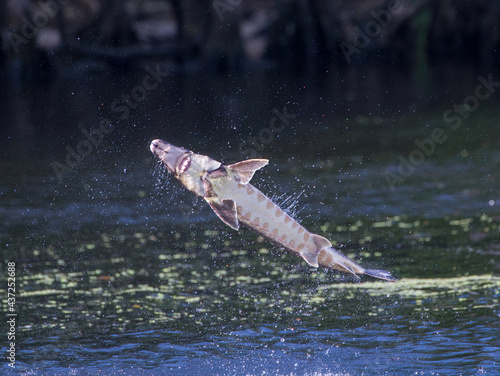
(170, 155)
(184, 165)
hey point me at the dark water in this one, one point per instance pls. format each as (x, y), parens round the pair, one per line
(119, 271)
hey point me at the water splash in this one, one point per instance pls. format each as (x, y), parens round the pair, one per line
(289, 203)
(161, 175)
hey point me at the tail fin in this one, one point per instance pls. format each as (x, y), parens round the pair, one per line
(380, 274)
(331, 258)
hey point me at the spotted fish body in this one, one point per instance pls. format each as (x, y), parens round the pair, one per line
(229, 193)
(259, 213)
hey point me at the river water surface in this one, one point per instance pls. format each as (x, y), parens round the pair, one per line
(120, 271)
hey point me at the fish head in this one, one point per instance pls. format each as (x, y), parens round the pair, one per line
(175, 159)
(186, 166)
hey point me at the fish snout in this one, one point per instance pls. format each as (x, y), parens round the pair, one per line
(154, 145)
(169, 154)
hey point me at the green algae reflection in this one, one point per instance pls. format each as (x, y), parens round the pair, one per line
(210, 281)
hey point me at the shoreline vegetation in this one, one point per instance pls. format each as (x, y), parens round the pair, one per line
(303, 37)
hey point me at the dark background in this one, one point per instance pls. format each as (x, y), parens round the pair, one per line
(121, 270)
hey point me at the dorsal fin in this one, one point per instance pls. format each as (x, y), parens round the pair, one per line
(320, 242)
(245, 169)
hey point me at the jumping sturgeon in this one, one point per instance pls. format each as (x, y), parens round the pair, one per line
(229, 193)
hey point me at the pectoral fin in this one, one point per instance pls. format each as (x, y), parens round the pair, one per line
(244, 170)
(226, 210)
